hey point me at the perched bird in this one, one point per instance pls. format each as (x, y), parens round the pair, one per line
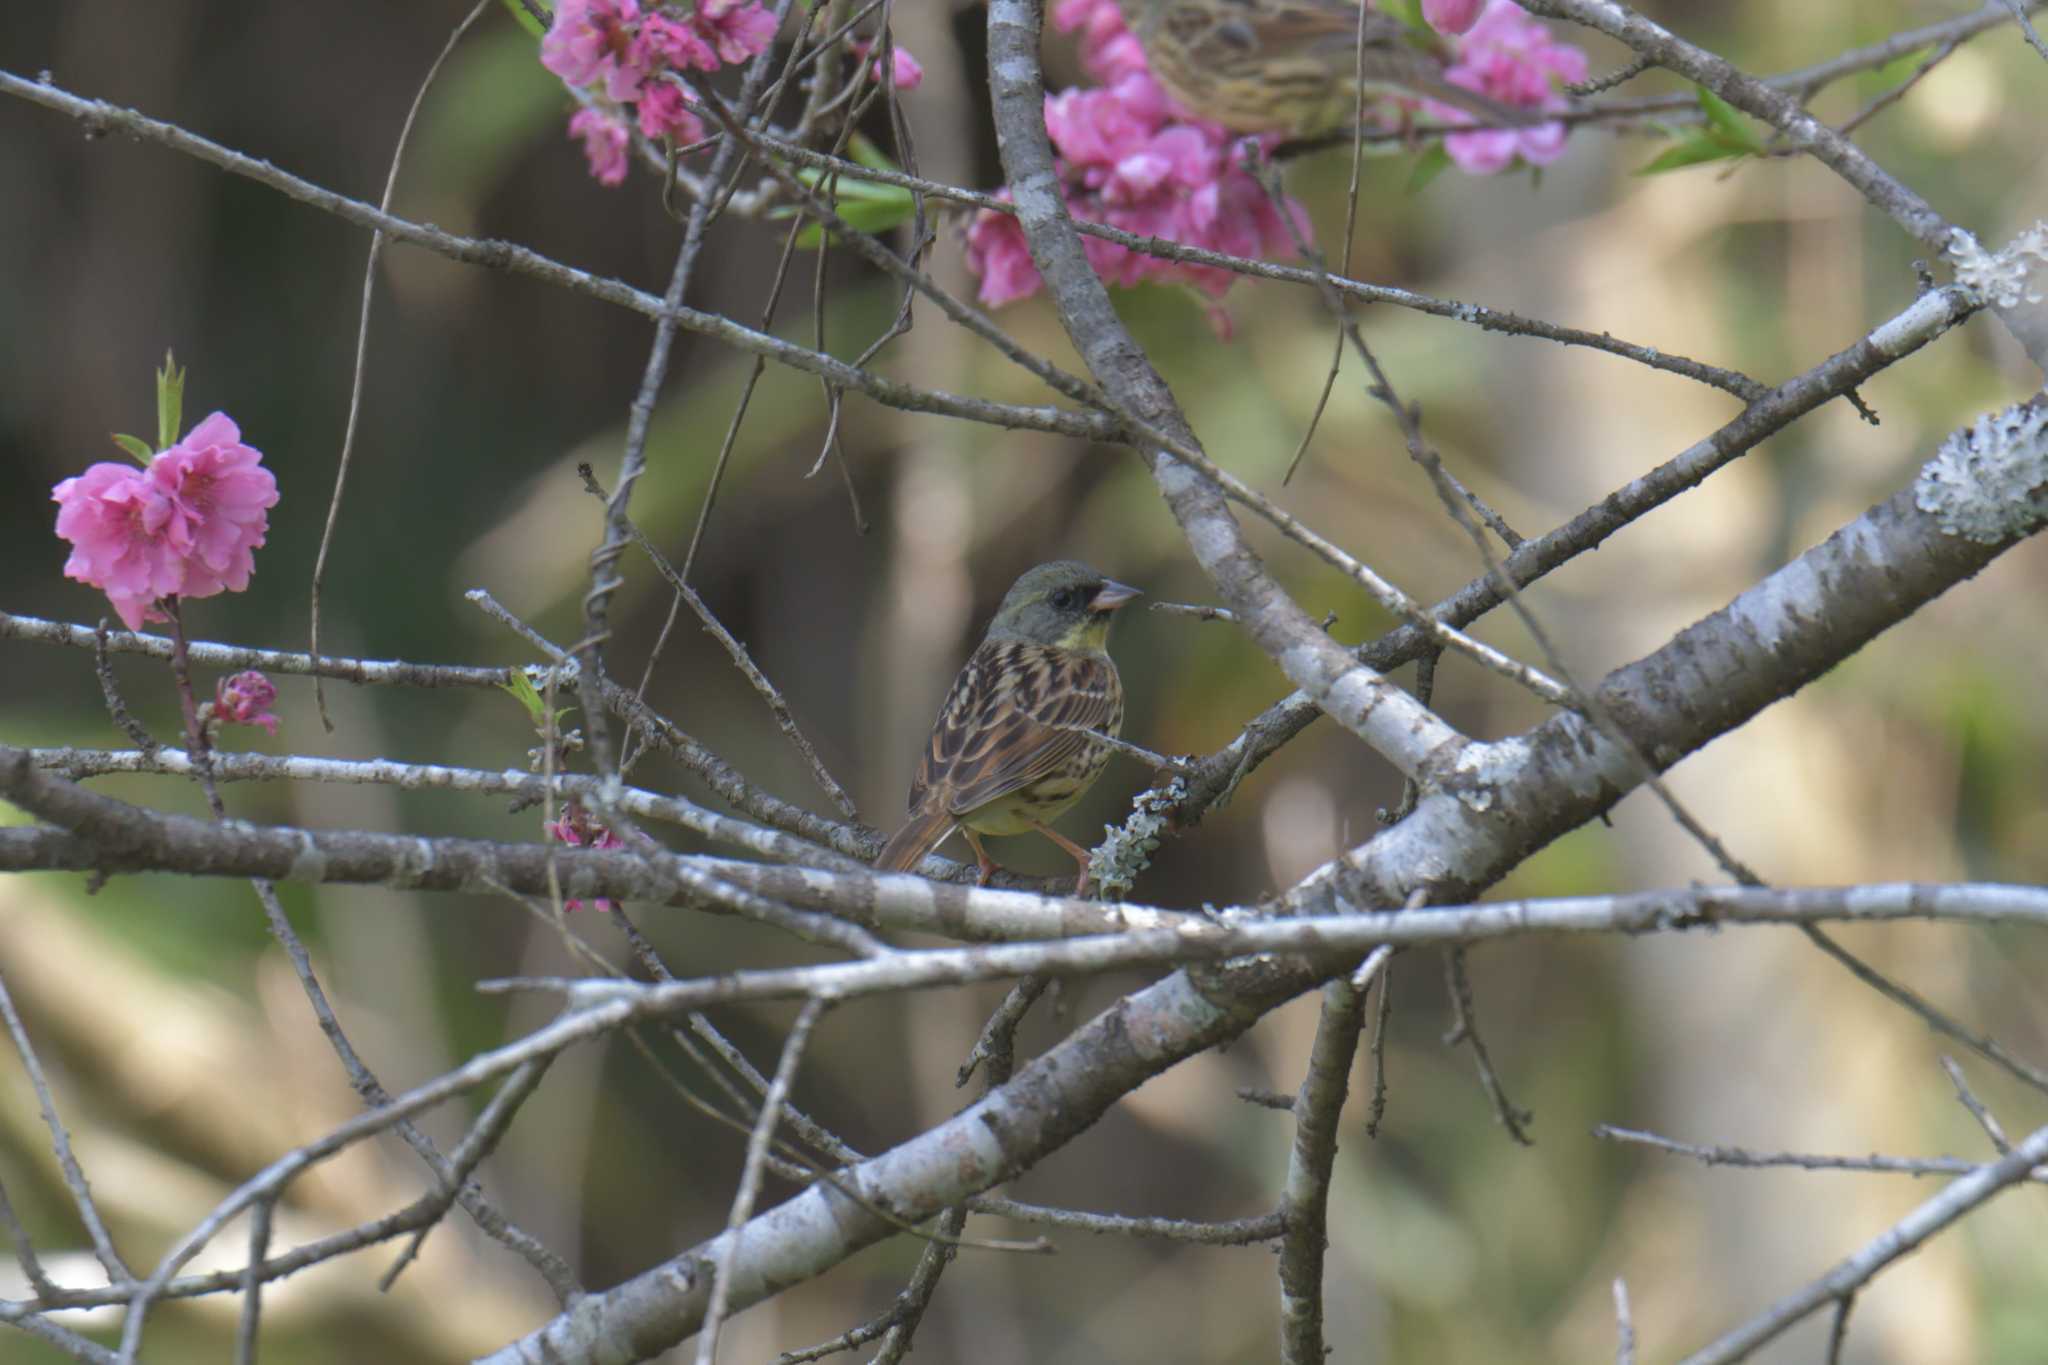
(1011, 748)
(1290, 66)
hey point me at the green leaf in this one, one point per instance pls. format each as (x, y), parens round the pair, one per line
(846, 188)
(1725, 135)
(864, 205)
(525, 19)
(1729, 128)
(137, 448)
(522, 690)
(1433, 162)
(170, 403)
(1690, 150)
(866, 153)
(863, 215)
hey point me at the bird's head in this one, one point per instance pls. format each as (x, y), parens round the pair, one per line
(1064, 603)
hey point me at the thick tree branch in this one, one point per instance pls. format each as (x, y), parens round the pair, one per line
(1926, 318)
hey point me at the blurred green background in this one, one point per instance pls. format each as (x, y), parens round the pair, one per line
(185, 1057)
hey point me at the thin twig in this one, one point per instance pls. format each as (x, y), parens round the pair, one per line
(252, 1280)
(25, 1251)
(1598, 85)
(103, 669)
(1983, 1044)
(523, 261)
(851, 1339)
(487, 1216)
(1377, 1109)
(1969, 1100)
(1200, 613)
(1838, 1331)
(1807, 1161)
(1238, 1232)
(1464, 1030)
(481, 1140)
(737, 652)
(1305, 1196)
(2019, 12)
(750, 1172)
(60, 1140)
(355, 390)
(997, 1043)
(1903, 1237)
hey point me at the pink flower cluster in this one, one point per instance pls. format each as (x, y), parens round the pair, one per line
(1451, 16)
(1510, 57)
(1131, 158)
(632, 59)
(578, 828)
(188, 525)
(245, 699)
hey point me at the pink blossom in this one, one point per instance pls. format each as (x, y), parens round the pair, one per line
(909, 72)
(112, 516)
(1513, 59)
(186, 526)
(1109, 50)
(1095, 128)
(665, 112)
(604, 143)
(1451, 16)
(579, 829)
(1131, 158)
(245, 699)
(738, 29)
(997, 252)
(627, 60)
(217, 496)
(663, 40)
(591, 41)
(904, 69)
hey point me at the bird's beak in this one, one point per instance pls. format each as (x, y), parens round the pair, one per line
(1112, 595)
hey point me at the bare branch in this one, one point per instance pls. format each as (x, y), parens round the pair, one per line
(1840, 1284)
(1969, 1101)
(520, 260)
(1305, 1199)
(60, 1141)
(1743, 1156)
(750, 1171)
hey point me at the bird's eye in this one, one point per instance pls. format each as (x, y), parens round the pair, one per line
(1063, 599)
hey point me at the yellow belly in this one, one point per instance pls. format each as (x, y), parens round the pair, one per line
(1022, 811)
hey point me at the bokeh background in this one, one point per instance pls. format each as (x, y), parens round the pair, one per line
(184, 1055)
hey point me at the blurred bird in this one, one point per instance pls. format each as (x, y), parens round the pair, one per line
(1011, 748)
(1290, 66)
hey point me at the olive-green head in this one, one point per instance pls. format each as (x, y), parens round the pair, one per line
(1064, 603)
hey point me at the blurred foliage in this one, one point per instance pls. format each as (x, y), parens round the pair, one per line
(184, 1056)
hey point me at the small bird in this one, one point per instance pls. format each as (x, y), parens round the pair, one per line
(1011, 748)
(1290, 66)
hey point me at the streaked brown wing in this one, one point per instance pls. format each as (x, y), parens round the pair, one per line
(1016, 713)
(1288, 27)
(1295, 49)
(1330, 30)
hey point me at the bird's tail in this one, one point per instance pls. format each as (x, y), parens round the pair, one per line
(920, 835)
(1403, 71)
(1481, 107)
